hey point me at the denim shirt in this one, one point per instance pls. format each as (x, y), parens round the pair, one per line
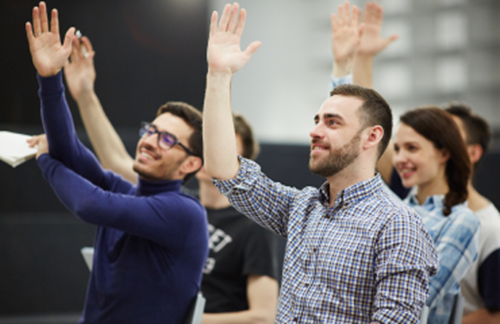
(456, 239)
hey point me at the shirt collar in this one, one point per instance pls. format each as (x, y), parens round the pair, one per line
(148, 188)
(351, 195)
(435, 201)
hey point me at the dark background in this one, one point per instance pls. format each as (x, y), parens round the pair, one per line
(147, 53)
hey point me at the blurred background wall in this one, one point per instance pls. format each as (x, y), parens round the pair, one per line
(152, 51)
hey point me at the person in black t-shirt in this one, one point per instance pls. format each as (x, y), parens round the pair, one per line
(239, 279)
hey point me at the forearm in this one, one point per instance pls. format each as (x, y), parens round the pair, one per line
(104, 138)
(363, 70)
(243, 317)
(218, 130)
(59, 128)
(483, 316)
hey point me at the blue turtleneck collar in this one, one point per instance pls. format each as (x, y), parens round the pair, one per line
(148, 188)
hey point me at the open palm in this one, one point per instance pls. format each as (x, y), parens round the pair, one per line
(224, 53)
(47, 52)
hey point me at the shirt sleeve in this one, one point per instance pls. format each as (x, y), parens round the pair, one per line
(489, 282)
(63, 141)
(256, 196)
(338, 81)
(258, 256)
(167, 219)
(457, 248)
(405, 257)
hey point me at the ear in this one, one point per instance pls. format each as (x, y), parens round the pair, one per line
(373, 136)
(445, 156)
(191, 164)
(475, 152)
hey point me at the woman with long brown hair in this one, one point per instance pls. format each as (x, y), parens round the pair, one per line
(430, 155)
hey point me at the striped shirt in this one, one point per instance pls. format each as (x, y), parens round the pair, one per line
(456, 240)
(365, 259)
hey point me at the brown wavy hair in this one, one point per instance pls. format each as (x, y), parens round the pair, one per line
(437, 126)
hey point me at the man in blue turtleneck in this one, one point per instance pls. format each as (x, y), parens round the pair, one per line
(152, 240)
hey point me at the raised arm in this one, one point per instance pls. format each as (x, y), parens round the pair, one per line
(346, 35)
(371, 44)
(80, 77)
(225, 57)
(49, 56)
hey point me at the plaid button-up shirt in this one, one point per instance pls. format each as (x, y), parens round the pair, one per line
(365, 259)
(456, 239)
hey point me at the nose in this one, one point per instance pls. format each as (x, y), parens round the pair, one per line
(398, 157)
(317, 132)
(151, 140)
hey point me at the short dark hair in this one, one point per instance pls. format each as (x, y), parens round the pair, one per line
(251, 147)
(193, 118)
(374, 111)
(477, 130)
(437, 126)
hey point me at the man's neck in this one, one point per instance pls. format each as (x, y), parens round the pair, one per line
(211, 198)
(475, 200)
(351, 175)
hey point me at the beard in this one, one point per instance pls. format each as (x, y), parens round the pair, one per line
(157, 174)
(338, 159)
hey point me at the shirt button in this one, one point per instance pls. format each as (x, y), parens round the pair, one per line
(314, 250)
(327, 216)
(295, 319)
(307, 285)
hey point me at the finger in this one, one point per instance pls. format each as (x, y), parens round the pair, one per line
(225, 18)
(88, 46)
(347, 13)
(391, 39)
(355, 16)
(234, 16)
(75, 56)
(340, 12)
(213, 23)
(252, 48)
(334, 23)
(54, 22)
(43, 17)
(29, 32)
(36, 21)
(68, 39)
(241, 23)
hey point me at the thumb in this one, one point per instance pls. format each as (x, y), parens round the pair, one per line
(391, 39)
(68, 39)
(252, 48)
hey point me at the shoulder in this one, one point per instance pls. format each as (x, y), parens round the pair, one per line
(462, 214)
(175, 201)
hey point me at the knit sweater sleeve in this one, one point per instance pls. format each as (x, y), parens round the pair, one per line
(164, 218)
(63, 141)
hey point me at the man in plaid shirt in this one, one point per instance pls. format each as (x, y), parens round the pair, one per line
(354, 254)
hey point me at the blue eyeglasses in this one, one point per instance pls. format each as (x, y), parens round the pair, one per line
(165, 140)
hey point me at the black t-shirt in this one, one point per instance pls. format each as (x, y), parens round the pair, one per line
(238, 248)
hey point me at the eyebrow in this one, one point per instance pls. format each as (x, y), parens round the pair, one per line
(328, 115)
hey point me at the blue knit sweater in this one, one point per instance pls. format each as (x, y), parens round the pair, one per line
(152, 240)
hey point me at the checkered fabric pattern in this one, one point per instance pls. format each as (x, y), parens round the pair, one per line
(365, 259)
(456, 239)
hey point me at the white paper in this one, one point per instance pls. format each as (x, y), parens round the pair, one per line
(14, 149)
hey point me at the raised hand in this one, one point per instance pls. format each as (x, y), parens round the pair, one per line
(371, 41)
(47, 52)
(224, 53)
(346, 37)
(79, 70)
